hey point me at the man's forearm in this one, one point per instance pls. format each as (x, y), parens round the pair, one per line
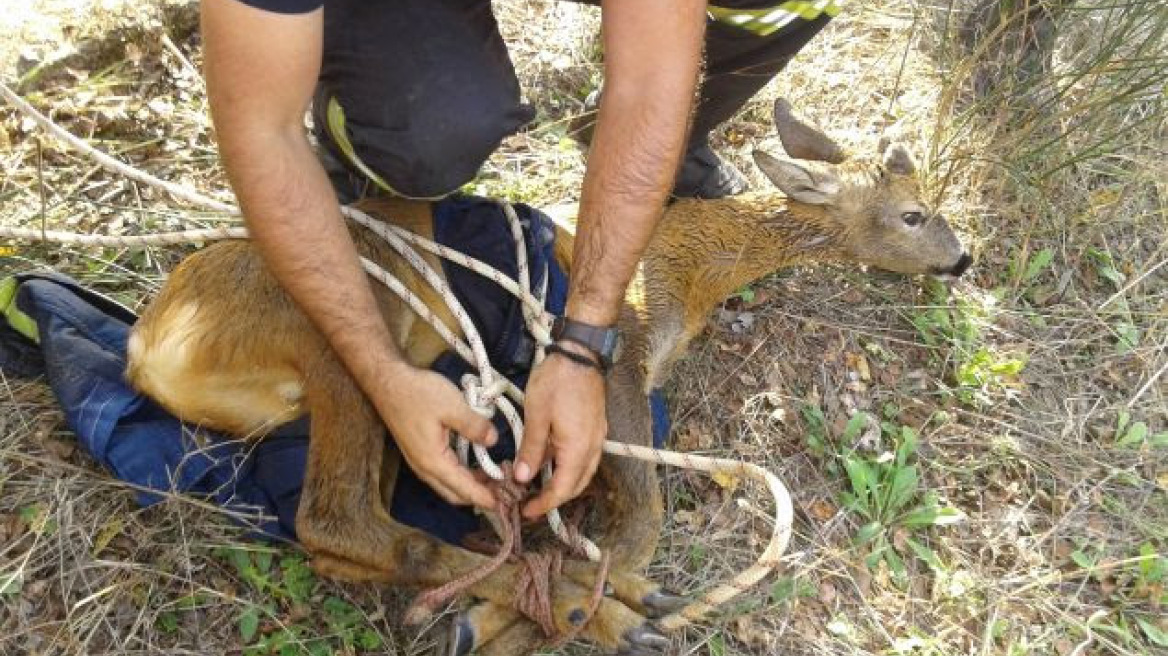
(261, 69)
(295, 221)
(652, 59)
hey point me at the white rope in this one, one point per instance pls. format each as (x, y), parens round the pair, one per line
(486, 391)
(123, 241)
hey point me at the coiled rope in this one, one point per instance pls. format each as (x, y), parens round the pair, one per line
(486, 392)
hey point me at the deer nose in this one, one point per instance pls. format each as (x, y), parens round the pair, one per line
(962, 265)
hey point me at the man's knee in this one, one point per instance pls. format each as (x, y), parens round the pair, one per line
(429, 153)
(447, 148)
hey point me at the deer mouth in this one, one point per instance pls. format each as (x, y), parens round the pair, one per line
(954, 272)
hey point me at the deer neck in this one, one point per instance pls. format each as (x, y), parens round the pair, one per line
(706, 250)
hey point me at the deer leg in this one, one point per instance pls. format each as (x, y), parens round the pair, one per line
(345, 525)
(490, 628)
(633, 514)
(632, 506)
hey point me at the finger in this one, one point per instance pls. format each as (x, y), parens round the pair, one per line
(555, 494)
(533, 450)
(456, 483)
(471, 425)
(589, 473)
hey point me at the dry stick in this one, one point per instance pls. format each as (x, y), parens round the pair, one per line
(1147, 385)
(1131, 284)
(178, 191)
(781, 531)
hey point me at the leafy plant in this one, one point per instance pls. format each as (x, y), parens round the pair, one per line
(267, 628)
(954, 325)
(788, 588)
(885, 492)
(1134, 435)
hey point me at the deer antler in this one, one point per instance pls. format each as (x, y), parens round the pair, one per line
(802, 141)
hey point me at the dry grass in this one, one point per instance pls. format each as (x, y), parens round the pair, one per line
(1053, 168)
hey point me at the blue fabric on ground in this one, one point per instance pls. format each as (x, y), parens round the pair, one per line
(82, 356)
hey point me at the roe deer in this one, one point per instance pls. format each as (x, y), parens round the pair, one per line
(224, 346)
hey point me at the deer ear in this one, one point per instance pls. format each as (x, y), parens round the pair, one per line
(814, 187)
(897, 158)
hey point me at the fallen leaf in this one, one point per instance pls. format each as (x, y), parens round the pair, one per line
(727, 481)
(107, 533)
(858, 363)
(692, 437)
(827, 593)
(821, 510)
(747, 630)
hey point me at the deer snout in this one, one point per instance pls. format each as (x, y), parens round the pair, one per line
(954, 272)
(962, 265)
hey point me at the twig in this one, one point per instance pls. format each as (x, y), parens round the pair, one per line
(1147, 385)
(178, 191)
(1131, 284)
(186, 63)
(41, 184)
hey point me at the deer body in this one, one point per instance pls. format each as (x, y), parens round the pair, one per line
(223, 345)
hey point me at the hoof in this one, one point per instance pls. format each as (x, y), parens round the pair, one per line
(458, 639)
(660, 603)
(643, 641)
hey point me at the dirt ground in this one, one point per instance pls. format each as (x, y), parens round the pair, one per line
(977, 468)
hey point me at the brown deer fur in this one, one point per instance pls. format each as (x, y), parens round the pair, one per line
(225, 347)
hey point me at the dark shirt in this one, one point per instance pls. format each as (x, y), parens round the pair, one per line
(285, 6)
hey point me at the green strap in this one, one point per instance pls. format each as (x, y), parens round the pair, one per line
(769, 20)
(19, 321)
(335, 122)
(335, 117)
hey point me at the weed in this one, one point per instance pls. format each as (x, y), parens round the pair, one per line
(790, 588)
(954, 324)
(268, 627)
(1135, 434)
(884, 492)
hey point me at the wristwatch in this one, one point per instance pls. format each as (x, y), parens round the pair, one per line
(604, 341)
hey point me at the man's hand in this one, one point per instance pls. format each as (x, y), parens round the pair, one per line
(565, 422)
(421, 408)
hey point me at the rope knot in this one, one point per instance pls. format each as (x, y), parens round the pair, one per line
(483, 397)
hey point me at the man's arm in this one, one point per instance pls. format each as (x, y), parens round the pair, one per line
(261, 69)
(652, 57)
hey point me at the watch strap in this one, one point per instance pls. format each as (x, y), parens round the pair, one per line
(582, 360)
(601, 340)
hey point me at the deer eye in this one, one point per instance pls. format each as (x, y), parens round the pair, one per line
(912, 219)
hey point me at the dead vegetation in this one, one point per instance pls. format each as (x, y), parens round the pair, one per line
(1023, 410)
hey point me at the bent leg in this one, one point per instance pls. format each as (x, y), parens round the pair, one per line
(427, 93)
(748, 42)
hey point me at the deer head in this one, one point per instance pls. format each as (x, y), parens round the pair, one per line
(875, 207)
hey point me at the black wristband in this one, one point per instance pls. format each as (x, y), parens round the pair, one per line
(583, 360)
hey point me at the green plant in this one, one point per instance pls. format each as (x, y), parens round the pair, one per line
(1134, 435)
(789, 588)
(953, 325)
(885, 492)
(816, 431)
(269, 627)
(1133, 586)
